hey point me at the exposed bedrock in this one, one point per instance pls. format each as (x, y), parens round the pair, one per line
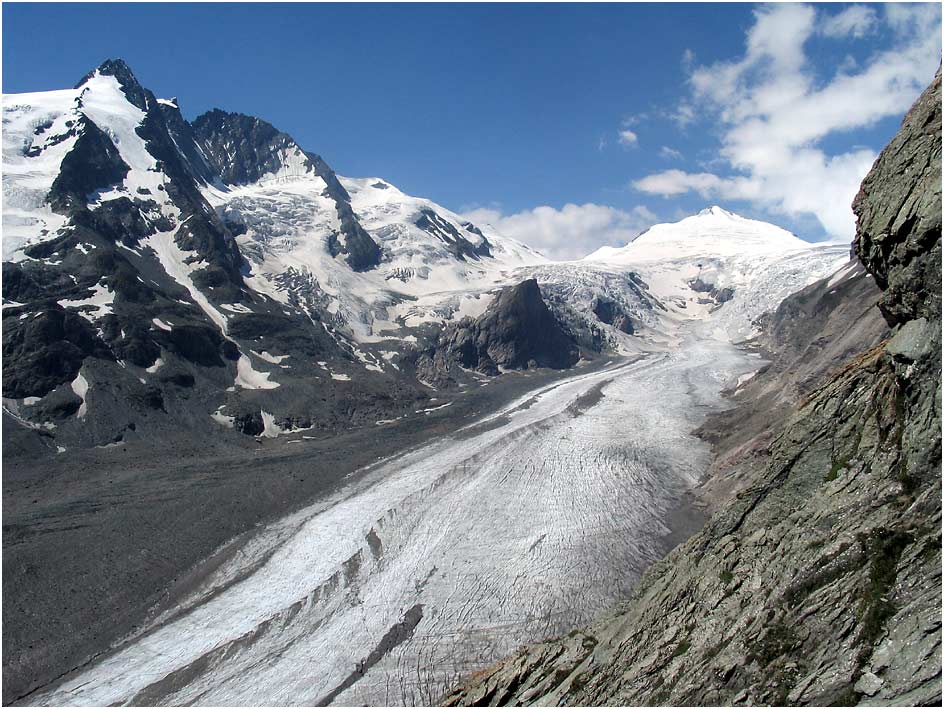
(517, 331)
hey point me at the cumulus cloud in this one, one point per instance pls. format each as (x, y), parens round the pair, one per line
(675, 182)
(628, 139)
(774, 111)
(571, 232)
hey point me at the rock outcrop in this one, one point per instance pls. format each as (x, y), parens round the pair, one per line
(610, 313)
(819, 581)
(517, 331)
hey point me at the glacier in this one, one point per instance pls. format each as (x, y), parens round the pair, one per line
(434, 563)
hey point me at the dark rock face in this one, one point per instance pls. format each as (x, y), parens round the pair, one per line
(92, 164)
(819, 582)
(242, 149)
(899, 238)
(516, 332)
(187, 141)
(718, 295)
(250, 423)
(46, 350)
(610, 313)
(358, 247)
(459, 246)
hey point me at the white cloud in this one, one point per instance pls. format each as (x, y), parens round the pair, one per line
(628, 139)
(855, 21)
(683, 115)
(774, 111)
(571, 232)
(667, 153)
(675, 182)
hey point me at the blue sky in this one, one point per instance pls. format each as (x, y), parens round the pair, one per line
(630, 114)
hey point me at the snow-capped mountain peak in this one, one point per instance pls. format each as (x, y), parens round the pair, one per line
(718, 257)
(715, 210)
(711, 232)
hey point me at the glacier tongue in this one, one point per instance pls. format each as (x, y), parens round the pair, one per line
(442, 560)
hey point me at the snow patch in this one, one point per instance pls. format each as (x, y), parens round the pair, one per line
(235, 307)
(841, 275)
(274, 359)
(222, 418)
(270, 428)
(249, 378)
(174, 261)
(434, 408)
(80, 386)
(100, 303)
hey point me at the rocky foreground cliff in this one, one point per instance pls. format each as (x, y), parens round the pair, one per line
(818, 580)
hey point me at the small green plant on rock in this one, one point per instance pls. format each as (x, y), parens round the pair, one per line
(834, 471)
(682, 648)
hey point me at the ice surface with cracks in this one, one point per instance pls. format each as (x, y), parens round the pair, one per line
(508, 532)
(290, 220)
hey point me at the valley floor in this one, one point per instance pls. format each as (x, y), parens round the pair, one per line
(439, 561)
